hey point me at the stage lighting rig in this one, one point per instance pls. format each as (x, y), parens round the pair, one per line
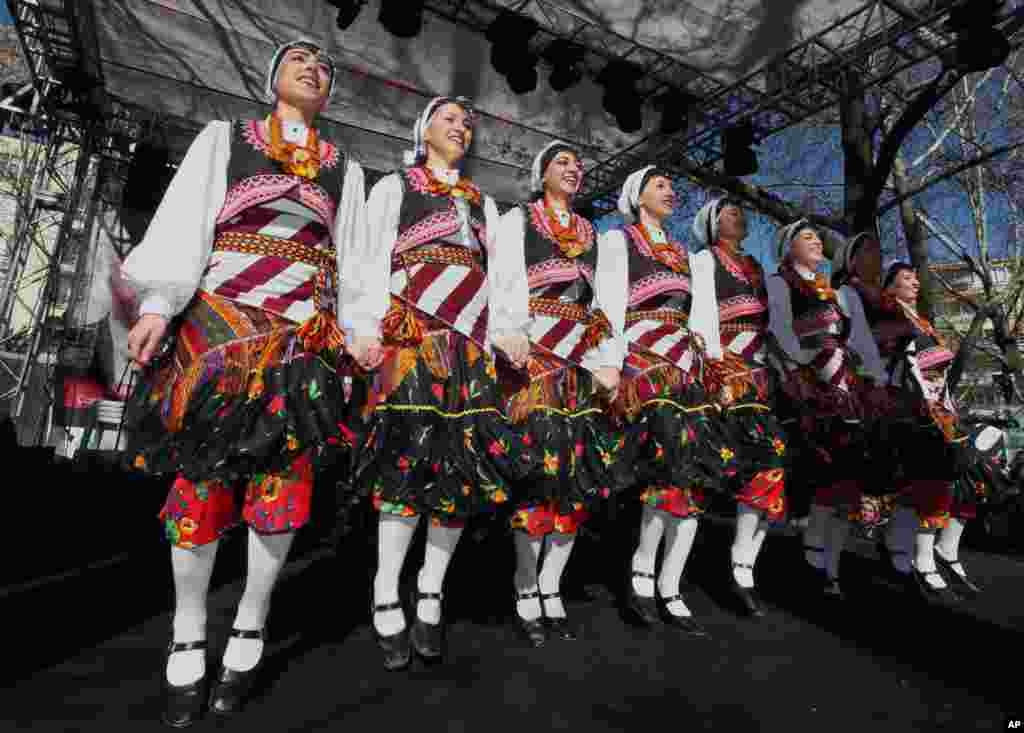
(739, 158)
(675, 109)
(621, 97)
(510, 36)
(980, 45)
(567, 59)
(348, 11)
(402, 18)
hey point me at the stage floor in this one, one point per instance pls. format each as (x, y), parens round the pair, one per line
(84, 652)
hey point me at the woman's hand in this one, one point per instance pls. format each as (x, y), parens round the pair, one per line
(145, 337)
(608, 377)
(367, 352)
(516, 347)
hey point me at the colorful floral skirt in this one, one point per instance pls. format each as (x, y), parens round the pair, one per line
(564, 417)
(675, 434)
(924, 463)
(438, 443)
(753, 458)
(235, 395)
(830, 447)
(753, 450)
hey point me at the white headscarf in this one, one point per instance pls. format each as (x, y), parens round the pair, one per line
(537, 170)
(629, 198)
(841, 258)
(705, 223)
(270, 87)
(788, 232)
(419, 147)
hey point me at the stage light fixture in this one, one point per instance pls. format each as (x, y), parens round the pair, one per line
(402, 18)
(567, 59)
(348, 11)
(523, 78)
(511, 57)
(149, 174)
(675, 109)
(980, 45)
(740, 159)
(621, 97)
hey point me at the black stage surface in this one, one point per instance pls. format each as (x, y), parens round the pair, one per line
(84, 644)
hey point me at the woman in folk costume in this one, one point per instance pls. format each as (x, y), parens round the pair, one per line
(832, 366)
(573, 370)
(661, 395)
(240, 266)
(920, 436)
(730, 312)
(420, 302)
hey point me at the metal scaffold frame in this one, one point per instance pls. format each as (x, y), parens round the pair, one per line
(879, 40)
(57, 196)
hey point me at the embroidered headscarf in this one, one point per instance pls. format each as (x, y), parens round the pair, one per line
(543, 159)
(270, 89)
(629, 197)
(788, 233)
(705, 223)
(418, 154)
(842, 259)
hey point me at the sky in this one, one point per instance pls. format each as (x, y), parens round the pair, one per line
(5, 14)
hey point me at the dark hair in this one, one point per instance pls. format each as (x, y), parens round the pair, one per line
(545, 161)
(893, 271)
(653, 173)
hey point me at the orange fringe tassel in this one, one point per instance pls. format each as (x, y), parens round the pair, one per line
(597, 331)
(629, 401)
(400, 326)
(538, 392)
(730, 377)
(321, 333)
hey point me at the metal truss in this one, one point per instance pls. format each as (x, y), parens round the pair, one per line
(877, 41)
(55, 197)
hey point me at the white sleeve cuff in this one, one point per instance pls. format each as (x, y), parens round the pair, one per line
(156, 305)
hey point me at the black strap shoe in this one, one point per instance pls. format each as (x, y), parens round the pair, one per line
(686, 624)
(752, 605)
(929, 592)
(962, 585)
(832, 589)
(396, 647)
(232, 688)
(183, 704)
(427, 639)
(557, 625)
(533, 632)
(640, 610)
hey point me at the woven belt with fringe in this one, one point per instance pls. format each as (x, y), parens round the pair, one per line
(251, 243)
(438, 256)
(558, 309)
(321, 331)
(740, 328)
(665, 315)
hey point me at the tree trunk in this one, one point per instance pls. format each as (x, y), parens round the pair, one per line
(858, 161)
(963, 353)
(917, 242)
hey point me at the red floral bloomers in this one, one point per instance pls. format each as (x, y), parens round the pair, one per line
(196, 513)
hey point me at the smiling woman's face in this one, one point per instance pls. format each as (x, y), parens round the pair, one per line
(303, 79)
(658, 199)
(563, 175)
(450, 133)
